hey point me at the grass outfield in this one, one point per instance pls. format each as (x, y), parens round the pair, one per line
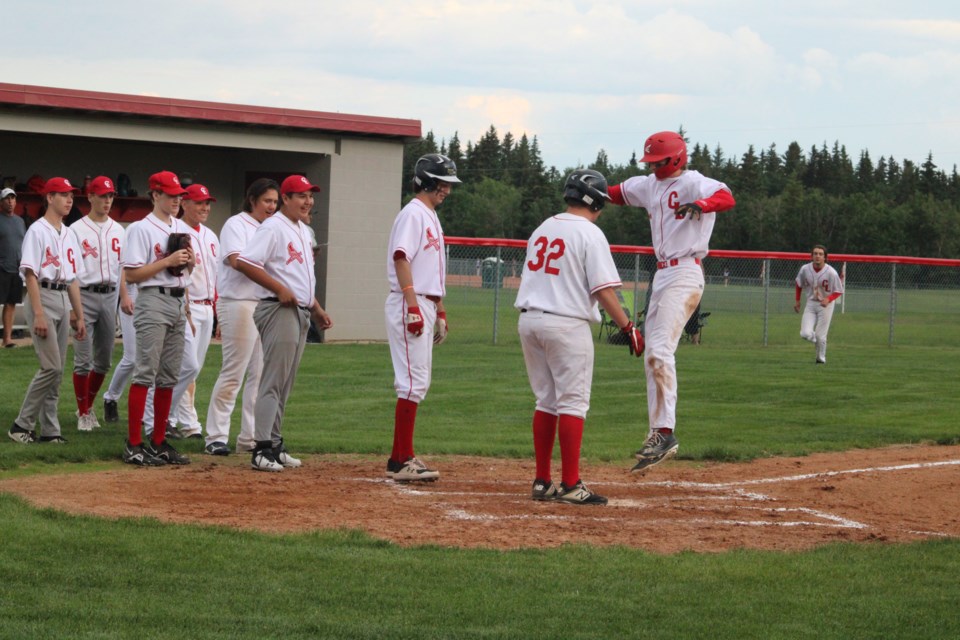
(77, 577)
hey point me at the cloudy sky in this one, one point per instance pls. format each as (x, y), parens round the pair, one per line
(581, 75)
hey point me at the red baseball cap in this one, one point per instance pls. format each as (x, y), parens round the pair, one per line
(101, 186)
(297, 184)
(168, 182)
(58, 185)
(198, 193)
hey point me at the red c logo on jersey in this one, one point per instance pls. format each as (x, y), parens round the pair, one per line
(115, 246)
(213, 250)
(673, 201)
(70, 260)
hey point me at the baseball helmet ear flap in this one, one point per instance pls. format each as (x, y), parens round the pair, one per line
(588, 187)
(665, 146)
(432, 169)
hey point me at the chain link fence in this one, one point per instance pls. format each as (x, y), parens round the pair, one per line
(748, 299)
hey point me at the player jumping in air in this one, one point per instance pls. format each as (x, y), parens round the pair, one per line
(680, 204)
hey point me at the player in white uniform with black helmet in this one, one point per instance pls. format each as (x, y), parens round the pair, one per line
(100, 240)
(162, 274)
(823, 286)
(280, 260)
(680, 205)
(415, 316)
(567, 271)
(49, 265)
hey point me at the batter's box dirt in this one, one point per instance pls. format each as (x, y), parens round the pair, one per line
(894, 494)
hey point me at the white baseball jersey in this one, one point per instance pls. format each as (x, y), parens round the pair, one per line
(234, 238)
(203, 280)
(674, 237)
(568, 261)
(417, 233)
(100, 244)
(52, 255)
(281, 247)
(146, 242)
(819, 285)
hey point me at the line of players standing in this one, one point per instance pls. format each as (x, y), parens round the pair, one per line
(164, 274)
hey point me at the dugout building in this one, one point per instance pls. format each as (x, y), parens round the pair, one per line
(356, 160)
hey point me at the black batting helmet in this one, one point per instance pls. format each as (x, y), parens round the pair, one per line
(588, 187)
(433, 168)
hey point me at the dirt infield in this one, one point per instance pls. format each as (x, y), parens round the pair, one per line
(894, 494)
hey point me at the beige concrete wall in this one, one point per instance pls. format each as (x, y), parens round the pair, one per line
(365, 181)
(360, 178)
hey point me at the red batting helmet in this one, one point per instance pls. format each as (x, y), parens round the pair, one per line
(665, 145)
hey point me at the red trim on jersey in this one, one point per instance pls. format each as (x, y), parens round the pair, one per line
(616, 195)
(722, 200)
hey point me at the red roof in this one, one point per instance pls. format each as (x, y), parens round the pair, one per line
(28, 96)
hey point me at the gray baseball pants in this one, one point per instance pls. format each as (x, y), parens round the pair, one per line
(283, 334)
(95, 352)
(159, 321)
(43, 393)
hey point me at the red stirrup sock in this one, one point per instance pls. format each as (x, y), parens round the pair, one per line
(571, 435)
(94, 382)
(81, 384)
(404, 419)
(162, 397)
(544, 436)
(136, 403)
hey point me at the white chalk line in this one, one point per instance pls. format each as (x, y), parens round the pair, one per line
(826, 519)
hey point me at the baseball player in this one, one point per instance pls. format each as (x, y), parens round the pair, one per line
(568, 269)
(823, 286)
(159, 317)
(12, 231)
(680, 205)
(124, 369)
(415, 316)
(240, 341)
(50, 264)
(100, 239)
(202, 292)
(278, 258)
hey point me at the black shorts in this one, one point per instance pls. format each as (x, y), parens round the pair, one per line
(11, 288)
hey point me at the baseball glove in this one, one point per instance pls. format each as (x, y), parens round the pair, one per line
(176, 242)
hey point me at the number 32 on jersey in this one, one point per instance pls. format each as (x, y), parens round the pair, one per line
(543, 259)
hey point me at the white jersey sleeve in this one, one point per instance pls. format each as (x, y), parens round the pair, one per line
(819, 285)
(52, 255)
(234, 238)
(568, 260)
(146, 242)
(100, 245)
(417, 233)
(281, 247)
(674, 237)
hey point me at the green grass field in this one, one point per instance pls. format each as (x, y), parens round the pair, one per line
(81, 577)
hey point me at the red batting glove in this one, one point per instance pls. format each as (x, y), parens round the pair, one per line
(414, 321)
(440, 329)
(634, 339)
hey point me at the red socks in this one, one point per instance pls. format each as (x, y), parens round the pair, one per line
(544, 435)
(94, 382)
(136, 403)
(404, 419)
(81, 389)
(162, 398)
(571, 436)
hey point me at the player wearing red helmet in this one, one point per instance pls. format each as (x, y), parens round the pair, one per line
(680, 204)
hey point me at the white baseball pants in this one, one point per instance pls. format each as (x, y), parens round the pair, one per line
(815, 324)
(412, 355)
(242, 356)
(676, 293)
(558, 352)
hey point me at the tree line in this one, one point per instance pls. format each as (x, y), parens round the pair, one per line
(785, 201)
